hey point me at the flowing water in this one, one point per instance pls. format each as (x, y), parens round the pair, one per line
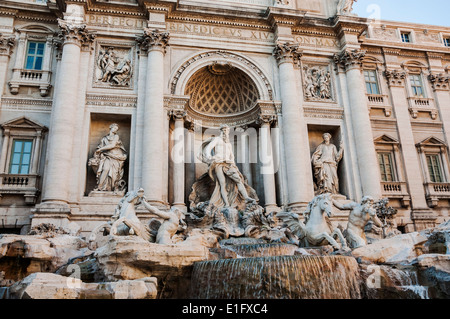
(406, 280)
(263, 249)
(277, 277)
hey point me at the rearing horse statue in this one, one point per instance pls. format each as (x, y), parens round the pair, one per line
(317, 229)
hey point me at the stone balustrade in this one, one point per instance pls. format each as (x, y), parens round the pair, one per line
(24, 77)
(422, 104)
(379, 101)
(436, 191)
(396, 190)
(15, 184)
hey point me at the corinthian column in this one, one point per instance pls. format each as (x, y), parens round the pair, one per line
(350, 62)
(178, 158)
(441, 83)
(64, 111)
(294, 127)
(267, 161)
(154, 42)
(6, 45)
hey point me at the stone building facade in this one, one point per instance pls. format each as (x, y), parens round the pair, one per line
(170, 72)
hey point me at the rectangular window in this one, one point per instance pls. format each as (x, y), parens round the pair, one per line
(416, 85)
(447, 41)
(35, 55)
(434, 168)
(406, 37)
(20, 157)
(370, 77)
(386, 167)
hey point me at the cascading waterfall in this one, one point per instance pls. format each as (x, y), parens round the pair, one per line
(257, 250)
(406, 280)
(277, 277)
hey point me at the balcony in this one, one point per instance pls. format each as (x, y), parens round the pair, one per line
(397, 190)
(24, 77)
(436, 191)
(379, 101)
(422, 104)
(26, 185)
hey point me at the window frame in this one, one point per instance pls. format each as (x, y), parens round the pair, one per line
(377, 81)
(412, 86)
(34, 55)
(447, 41)
(383, 172)
(431, 174)
(22, 153)
(434, 146)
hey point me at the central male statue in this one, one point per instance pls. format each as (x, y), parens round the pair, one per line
(230, 189)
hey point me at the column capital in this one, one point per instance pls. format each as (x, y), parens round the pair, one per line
(349, 59)
(266, 119)
(439, 82)
(153, 40)
(6, 44)
(74, 33)
(395, 77)
(176, 114)
(287, 52)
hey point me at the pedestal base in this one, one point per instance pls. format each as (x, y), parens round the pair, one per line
(56, 213)
(106, 194)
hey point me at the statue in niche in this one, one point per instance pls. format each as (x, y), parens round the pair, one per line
(317, 84)
(325, 160)
(108, 162)
(217, 152)
(114, 70)
(345, 7)
(221, 198)
(360, 215)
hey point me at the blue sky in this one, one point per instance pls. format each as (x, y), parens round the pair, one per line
(434, 12)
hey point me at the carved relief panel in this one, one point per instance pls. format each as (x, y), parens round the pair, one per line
(317, 83)
(114, 66)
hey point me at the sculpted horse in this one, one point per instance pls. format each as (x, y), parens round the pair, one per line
(317, 229)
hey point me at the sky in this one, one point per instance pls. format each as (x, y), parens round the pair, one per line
(434, 12)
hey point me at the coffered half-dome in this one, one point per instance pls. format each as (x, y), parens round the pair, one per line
(221, 90)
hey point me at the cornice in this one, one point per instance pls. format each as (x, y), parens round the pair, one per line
(350, 27)
(210, 19)
(314, 31)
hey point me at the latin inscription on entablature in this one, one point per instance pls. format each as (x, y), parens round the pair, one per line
(103, 100)
(219, 31)
(316, 42)
(115, 22)
(256, 2)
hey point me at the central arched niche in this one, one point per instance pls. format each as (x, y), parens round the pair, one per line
(222, 93)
